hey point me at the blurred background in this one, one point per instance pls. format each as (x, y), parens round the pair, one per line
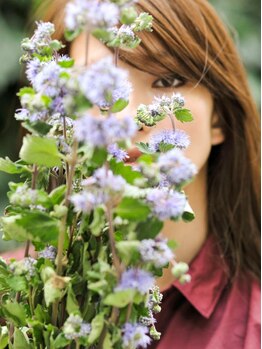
(241, 16)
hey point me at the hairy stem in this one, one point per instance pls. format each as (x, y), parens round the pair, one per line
(116, 56)
(172, 121)
(62, 232)
(116, 261)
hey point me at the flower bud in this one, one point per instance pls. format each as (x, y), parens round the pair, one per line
(154, 333)
(179, 269)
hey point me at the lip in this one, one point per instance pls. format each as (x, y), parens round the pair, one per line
(133, 154)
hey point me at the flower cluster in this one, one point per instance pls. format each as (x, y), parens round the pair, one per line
(156, 252)
(135, 336)
(41, 41)
(90, 14)
(98, 189)
(136, 279)
(48, 253)
(101, 131)
(150, 114)
(177, 168)
(24, 196)
(26, 266)
(118, 153)
(166, 204)
(178, 139)
(104, 84)
(75, 327)
(180, 270)
(53, 90)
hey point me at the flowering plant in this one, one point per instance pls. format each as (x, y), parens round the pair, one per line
(94, 219)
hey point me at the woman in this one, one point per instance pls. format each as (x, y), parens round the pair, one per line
(190, 52)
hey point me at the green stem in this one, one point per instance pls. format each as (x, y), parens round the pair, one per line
(62, 231)
(116, 261)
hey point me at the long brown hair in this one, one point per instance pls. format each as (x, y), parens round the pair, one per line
(190, 40)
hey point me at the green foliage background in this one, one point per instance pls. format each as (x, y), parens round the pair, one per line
(241, 16)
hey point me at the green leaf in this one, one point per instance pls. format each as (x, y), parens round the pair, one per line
(67, 64)
(6, 165)
(15, 312)
(97, 325)
(57, 195)
(20, 342)
(72, 306)
(39, 127)
(188, 214)
(3, 337)
(120, 299)
(51, 293)
(60, 341)
(132, 209)
(144, 148)
(102, 34)
(108, 342)
(98, 222)
(99, 157)
(17, 283)
(164, 147)
(183, 115)
(71, 35)
(149, 229)
(128, 250)
(41, 314)
(34, 226)
(25, 90)
(125, 171)
(40, 151)
(119, 105)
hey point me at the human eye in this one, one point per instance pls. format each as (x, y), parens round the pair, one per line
(169, 82)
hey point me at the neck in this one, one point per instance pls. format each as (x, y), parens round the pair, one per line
(189, 236)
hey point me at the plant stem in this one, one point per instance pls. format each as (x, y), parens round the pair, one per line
(65, 138)
(116, 55)
(129, 310)
(116, 261)
(62, 231)
(172, 121)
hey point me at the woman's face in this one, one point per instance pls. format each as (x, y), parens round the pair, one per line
(145, 86)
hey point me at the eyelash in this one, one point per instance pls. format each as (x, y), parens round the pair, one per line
(169, 81)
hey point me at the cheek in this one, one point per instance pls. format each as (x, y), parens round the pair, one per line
(199, 130)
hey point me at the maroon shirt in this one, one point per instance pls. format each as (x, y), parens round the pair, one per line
(207, 313)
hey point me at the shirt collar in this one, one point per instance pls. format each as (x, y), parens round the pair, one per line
(209, 276)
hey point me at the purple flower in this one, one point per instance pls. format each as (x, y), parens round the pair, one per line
(156, 252)
(101, 131)
(118, 153)
(75, 328)
(44, 31)
(135, 336)
(48, 253)
(103, 83)
(47, 81)
(177, 168)
(86, 201)
(106, 180)
(177, 138)
(90, 14)
(166, 204)
(119, 129)
(137, 279)
(89, 129)
(33, 67)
